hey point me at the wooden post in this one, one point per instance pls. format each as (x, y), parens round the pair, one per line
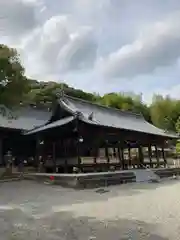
(78, 154)
(65, 157)
(141, 157)
(37, 154)
(164, 157)
(54, 155)
(119, 156)
(96, 151)
(157, 155)
(78, 141)
(122, 157)
(107, 155)
(129, 156)
(150, 155)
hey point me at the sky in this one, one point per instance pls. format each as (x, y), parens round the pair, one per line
(98, 45)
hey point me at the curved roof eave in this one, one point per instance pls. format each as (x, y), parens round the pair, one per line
(162, 134)
(52, 125)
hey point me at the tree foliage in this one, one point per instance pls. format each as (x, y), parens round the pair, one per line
(126, 102)
(178, 131)
(165, 112)
(13, 83)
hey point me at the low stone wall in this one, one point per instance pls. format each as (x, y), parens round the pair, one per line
(89, 180)
(93, 180)
(167, 172)
(65, 180)
(106, 179)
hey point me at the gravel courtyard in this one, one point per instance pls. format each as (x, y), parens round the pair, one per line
(30, 211)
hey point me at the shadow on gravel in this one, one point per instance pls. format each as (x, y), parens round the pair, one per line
(16, 225)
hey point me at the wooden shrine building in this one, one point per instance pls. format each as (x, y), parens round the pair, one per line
(13, 123)
(92, 137)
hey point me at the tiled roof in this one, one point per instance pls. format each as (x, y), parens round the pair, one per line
(55, 124)
(110, 117)
(25, 118)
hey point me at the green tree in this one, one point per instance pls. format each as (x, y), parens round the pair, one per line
(164, 112)
(46, 92)
(128, 102)
(178, 131)
(13, 83)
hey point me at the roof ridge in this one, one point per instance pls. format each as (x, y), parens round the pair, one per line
(105, 107)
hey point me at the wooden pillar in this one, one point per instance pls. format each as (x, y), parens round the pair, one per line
(96, 151)
(79, 140)
(122, 158)
(150, 155)
(157, 155)
(37, 153)
(54, 155)
(78, 154)
(119, 156)
(129, 156)
(164, 157)
(65, 144)
(141, 157)
(95, 155)
(107, 155)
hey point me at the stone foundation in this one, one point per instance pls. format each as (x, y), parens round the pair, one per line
(85, 180)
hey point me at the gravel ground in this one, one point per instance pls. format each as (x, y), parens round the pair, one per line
(30, 211)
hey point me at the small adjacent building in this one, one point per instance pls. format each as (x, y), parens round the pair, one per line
(13, 123)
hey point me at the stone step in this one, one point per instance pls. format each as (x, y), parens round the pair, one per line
(146, 175)
(9, 175)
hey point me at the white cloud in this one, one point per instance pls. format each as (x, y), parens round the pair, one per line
(157, 46)
(56, 47)
(79, 52)
(18, 17)
(90, 6)
(173, 92)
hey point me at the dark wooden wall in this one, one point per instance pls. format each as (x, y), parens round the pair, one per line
(95, 133)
